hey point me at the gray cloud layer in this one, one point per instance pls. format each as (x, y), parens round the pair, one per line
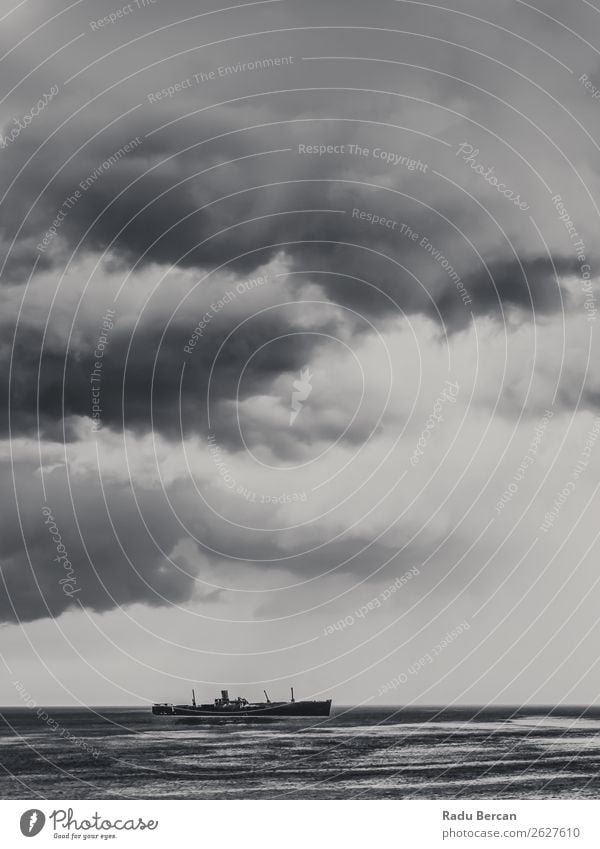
(227, 184)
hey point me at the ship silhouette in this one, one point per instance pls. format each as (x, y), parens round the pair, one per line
(239, 707)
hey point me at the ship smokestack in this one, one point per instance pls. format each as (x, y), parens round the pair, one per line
(225, 695)
(292, 689)
(193, 698)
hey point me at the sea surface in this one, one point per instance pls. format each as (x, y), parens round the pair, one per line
(358, 753)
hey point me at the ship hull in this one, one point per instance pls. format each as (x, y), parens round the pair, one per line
(276, 709)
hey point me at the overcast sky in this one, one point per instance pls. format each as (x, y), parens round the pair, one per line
(299, 362)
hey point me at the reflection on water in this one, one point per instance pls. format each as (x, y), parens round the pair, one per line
(374, 753)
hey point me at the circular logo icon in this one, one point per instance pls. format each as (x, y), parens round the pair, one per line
(32, 822)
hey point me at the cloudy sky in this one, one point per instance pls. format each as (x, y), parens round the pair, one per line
(298, 358)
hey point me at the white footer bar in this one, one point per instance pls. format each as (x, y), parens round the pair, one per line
(301, 824)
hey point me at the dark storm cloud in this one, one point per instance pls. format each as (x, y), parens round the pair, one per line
(107, 564)
(143, 382)
(527, 289)
(117, 558)
(140, 374)
(146, 208)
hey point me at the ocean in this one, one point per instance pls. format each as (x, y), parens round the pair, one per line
(357, 753)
